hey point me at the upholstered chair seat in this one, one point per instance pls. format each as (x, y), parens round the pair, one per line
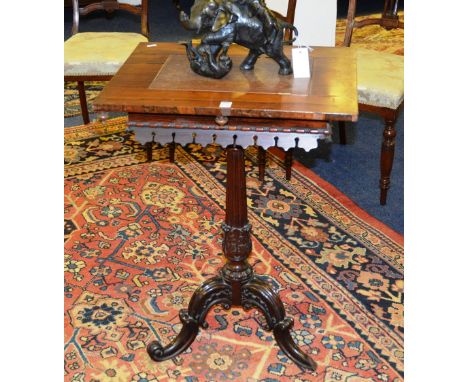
(99, 53)
(380, 78)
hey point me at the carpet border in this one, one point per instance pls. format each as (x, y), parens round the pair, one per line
(348, 203)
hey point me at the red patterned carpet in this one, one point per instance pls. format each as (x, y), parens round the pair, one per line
(140, 238)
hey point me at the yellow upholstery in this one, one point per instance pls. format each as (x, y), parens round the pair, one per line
(380, 78)
(99, 53)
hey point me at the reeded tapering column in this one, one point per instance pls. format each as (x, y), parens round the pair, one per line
(237, 243)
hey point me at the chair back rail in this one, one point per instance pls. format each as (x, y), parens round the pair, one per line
(388, 20)
(110, 6)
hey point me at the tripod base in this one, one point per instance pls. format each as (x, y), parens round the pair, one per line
(253, 293)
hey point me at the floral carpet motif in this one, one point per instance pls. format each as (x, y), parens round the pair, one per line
(141, 237)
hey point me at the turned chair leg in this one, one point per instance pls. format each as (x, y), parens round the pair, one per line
(83, 103)
(386, 158)
(342, 130)
(288, 162)
(261, 159)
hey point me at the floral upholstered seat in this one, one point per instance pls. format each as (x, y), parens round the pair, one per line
(99, 53)
(380, 78)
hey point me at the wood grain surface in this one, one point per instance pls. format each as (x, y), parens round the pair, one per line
(332, 93)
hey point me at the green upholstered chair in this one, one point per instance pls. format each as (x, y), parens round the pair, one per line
(97, 56)
(380, 82)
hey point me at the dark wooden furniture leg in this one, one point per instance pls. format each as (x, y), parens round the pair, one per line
(288, 163)
(172, 147)
(390, 18)
(261, 159)
(342, 130)
(386, 157)
(149, 151)
(83, 103)
(236, 284)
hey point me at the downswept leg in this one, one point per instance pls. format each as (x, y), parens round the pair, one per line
(212, 292)
(259, 294)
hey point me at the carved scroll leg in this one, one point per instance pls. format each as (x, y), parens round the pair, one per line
(386, 158)
(286, 343)
(213, 291)
(184, 339)
(83, 102)
(259, 294)
(261, 158)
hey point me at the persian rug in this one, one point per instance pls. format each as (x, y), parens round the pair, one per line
(371, 37)
(141, 237)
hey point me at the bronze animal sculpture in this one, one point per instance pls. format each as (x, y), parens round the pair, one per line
(222, 22)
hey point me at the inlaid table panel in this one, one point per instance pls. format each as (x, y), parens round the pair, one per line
(330, 95)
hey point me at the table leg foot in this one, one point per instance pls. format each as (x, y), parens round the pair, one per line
(286, 343)
(214, 291)
(257, 293)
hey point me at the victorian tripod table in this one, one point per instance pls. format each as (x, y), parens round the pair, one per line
(168, 104)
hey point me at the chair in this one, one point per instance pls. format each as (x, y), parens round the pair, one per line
(380, 85)
(380, 80)
(97, 56)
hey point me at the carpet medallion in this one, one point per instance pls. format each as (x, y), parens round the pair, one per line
(141, 237)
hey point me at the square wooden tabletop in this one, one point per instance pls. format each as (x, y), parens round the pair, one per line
(157, 79)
